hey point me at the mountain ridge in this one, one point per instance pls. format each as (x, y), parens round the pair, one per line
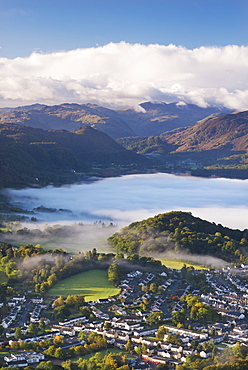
(148, 119)
(213, 133)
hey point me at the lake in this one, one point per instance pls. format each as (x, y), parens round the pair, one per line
(125, 199)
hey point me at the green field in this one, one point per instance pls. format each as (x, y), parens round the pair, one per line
(92, 284)
(102, 353)
(177, 264)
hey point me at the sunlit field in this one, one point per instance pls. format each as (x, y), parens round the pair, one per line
(92, 284)
(177, 264)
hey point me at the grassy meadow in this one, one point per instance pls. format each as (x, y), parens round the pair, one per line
(102, 353)
(92, 284)
(177, 264)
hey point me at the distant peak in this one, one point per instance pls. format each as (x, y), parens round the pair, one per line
(139, 109)
(151, 105)
(181, 104)
(30, 107)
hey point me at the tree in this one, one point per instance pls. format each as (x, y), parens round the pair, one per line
(129, 346)
(62, 312)
(79, 350)
(50, 350)
(174, 339)
(107, 325)
(86, 311)
(153, 288)
(190, 300)
(144, 288)
(42, 324)
(58, 340)
(58, 302)
(162, 367)
(59, 353)
(69, 365)
(114, 273)
(138, 350)
(32, 329)
(194, 344)
(82, 335)
(143, 349)
(18, 333)
(161, 332)
(153, 318)
(75, 300)
(46, 365)
(179, 317)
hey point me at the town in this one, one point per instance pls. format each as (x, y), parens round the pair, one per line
(158, 318)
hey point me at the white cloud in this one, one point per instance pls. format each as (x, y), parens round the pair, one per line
(126, 74)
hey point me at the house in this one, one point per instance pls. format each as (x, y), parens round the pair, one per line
(136, 339)
(37, 300)
(120, 344)
(155, 359)
(176, 349)
(206, 354)
(23, 359)
(39, 338)
(19, 298)
(6, 322)
(73, 321)
(65, 330)
(164, 354)
(18, 360)
(231, 314)
(218, 338)
(165, 346)
(185, 332)
(151, 342)
(241, 329)
(145, 332)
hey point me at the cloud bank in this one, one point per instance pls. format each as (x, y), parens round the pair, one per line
(122, 74)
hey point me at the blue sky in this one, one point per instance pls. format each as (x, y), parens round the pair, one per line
(52, 25)
(120, 53)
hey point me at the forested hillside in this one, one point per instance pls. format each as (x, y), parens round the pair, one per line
(181, 232)
(28, 154)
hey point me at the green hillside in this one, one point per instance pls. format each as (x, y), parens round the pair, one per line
(181, 232)
(31, 156)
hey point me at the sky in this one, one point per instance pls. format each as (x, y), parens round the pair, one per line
(119, 53)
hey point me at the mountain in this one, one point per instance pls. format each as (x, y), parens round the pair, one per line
(28, 153)
(229, 131)
(148, 119)
(69, 117)
(152, 119)
(181, 233)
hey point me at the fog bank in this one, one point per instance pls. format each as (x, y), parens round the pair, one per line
(130, 198)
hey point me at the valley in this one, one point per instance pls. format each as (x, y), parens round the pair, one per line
(89, 259)
(44, 145)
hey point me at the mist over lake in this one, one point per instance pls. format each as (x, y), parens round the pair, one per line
(125, 199)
